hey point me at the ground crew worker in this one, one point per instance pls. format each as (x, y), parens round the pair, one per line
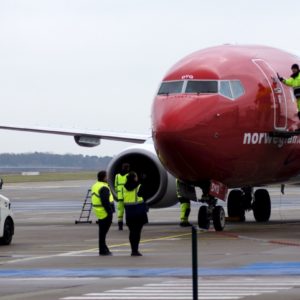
(136, 211)
(185, 204)
(120, 180)
(294, 81)
(102, 202)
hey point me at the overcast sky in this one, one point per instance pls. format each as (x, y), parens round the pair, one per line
(95, 64)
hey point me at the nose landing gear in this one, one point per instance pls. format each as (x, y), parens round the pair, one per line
(209, 212)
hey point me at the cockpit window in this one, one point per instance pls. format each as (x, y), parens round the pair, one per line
(201, 86)
(225, 89)
(170, 87)
(237, 88)
(231, 89)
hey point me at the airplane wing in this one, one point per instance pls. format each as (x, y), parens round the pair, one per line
(86, 138)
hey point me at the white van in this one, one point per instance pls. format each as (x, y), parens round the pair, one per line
(7, 226)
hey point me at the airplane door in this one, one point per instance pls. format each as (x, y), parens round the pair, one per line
(278, 95)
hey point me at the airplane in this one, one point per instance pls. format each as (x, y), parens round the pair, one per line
(221, 119)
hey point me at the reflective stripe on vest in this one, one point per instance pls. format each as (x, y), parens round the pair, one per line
(98, 208)
(131, 197)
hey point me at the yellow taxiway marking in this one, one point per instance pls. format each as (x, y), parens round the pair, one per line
(71, 253)
(143, 241)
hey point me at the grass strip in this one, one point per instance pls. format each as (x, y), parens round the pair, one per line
(51, 176)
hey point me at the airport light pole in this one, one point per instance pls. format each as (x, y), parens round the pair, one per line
(195, 263)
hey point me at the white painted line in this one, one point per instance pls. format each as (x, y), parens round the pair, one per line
(226, 284)
(242, 280)
(202, 291)
(149, 298)
(222, 288)
(71, 253)
(50, 278)
(182, 290)
(172, 295)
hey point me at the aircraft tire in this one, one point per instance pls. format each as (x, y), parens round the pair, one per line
(261, 205)
(219, 218)
(203, 217)
(8, 232)
(235, 205)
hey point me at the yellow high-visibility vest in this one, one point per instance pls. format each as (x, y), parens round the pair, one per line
(120, 180)
(295, 84)
(98, 208)
(131, 197)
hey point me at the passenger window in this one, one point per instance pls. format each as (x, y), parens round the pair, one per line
(202, 87)
(170, 87)
(225, 89)
(237, 88)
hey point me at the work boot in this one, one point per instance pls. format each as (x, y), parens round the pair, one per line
(136, 253)
(120, 224)
(106, 253)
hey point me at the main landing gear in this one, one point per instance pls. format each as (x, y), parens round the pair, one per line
(209, 212)
(241, 200)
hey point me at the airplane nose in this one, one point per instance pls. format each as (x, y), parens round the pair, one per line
(181, 130)
(175, 114)
(174, 149)
(188, 133)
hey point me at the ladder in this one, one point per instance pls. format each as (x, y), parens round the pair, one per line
(86, 209)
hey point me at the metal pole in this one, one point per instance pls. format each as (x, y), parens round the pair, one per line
(195, 263)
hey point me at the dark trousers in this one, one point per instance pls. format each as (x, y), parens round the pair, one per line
(135, 230)
(104, 225)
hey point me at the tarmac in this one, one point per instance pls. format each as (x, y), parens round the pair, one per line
(51, 257)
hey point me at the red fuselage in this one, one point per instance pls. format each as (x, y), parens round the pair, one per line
(213, 113)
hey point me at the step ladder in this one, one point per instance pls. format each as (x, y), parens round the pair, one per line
(86, 209)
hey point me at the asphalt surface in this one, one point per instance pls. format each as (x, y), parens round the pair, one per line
(51, 257)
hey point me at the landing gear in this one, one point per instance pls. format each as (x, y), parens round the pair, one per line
(203, 217)
(235, 205)
(219, 218)
(211, 212)
(261, 205)
(244, 199)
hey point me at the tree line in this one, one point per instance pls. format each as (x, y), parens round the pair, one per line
(44, 160)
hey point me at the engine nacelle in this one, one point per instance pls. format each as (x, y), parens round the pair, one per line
(159, 184)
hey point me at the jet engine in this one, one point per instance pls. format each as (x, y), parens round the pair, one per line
(160, 186)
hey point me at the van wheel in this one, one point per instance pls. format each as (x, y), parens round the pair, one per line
(8, 232)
